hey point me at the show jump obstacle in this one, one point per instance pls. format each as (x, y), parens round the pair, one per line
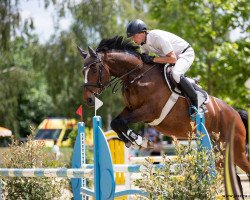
(102, 169)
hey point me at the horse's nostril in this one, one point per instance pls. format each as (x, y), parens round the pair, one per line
(90, 100)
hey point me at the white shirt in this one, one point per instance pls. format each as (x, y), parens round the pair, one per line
(56, 150)
(162, 43)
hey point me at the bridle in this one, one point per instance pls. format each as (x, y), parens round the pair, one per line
(103, 86)
(99, 83)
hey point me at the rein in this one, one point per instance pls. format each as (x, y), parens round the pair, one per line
(115, 80)
(142, 74)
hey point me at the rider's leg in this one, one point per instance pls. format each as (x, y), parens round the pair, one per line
(120, 126)
(189, 90)
(181, 67)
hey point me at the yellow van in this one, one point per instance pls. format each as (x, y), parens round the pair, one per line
(55, 129)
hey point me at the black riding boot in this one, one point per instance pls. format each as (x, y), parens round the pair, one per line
(189, 90)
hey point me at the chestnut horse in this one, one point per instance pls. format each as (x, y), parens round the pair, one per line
(145, 93)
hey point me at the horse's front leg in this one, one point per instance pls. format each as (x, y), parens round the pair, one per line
(127, 135)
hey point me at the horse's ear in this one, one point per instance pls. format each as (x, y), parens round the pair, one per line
(92, 52)
(82, 52)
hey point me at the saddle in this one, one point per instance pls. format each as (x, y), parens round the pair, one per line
(203, 97)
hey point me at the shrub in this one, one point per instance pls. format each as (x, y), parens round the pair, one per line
(31, 154)
(187, 176)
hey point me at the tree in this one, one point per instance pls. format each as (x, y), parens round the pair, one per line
(20, 56)
(13, 73)
(62, 71)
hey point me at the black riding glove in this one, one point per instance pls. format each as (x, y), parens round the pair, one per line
(147, 58)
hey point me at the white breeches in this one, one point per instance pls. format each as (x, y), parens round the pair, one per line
(183, 63)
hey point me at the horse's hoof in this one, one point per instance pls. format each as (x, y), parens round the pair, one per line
(128, 144)
(136, 147)
(146, 144)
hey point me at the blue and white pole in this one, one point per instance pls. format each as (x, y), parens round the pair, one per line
(78, 160)
(203, 139)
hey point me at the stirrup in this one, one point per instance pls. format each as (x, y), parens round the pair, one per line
(193, 112)
(203, 108)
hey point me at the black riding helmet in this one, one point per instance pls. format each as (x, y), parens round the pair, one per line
(136, 26)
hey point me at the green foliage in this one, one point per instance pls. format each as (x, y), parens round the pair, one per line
(72, 137)
(17, 56)
(23, 91)
(31, 155)
(184, 177)
(62, 71)
(108, 18)
(33, 107)
(10, 20)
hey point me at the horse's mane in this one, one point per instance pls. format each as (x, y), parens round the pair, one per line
(118, 43)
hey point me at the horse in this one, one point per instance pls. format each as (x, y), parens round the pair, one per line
(145, 93)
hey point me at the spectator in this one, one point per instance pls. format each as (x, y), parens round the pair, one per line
(157, 147)
(56, 150)
(151, 133)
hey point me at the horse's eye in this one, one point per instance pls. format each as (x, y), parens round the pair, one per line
(94, 70)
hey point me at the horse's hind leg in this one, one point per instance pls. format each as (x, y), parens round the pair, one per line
(240, 157)
(227, 117)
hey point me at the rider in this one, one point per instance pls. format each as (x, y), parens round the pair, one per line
(170, 48)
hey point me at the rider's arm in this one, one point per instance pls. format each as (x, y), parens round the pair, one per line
(169, 58)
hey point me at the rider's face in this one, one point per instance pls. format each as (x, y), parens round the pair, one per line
(138, 38)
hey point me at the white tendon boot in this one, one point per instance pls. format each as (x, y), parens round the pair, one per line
(138, 141)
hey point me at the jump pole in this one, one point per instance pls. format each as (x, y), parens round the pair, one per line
(104, 181)
(204, 139)
(78, 160)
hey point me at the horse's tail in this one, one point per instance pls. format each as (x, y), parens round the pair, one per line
(244, 117)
